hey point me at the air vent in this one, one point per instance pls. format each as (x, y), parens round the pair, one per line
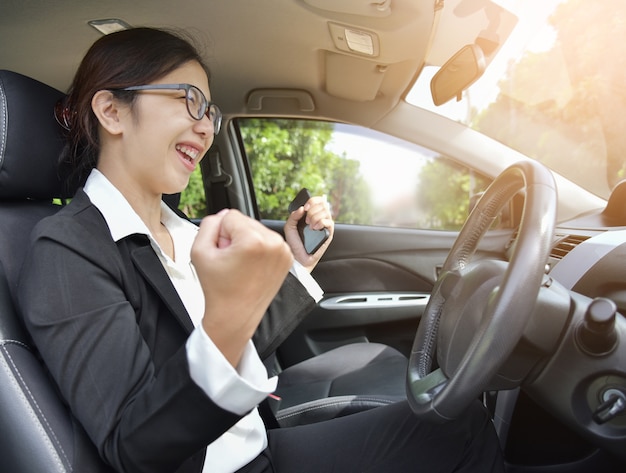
(566, 244)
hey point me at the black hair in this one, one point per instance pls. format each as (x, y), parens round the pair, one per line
(130, 57)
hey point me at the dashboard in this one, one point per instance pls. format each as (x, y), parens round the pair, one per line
(584, 382)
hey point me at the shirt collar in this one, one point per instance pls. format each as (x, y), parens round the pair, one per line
(117, 212)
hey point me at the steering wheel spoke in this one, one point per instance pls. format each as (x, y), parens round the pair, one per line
(424, 389)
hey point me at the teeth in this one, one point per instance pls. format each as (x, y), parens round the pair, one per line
(190, 152)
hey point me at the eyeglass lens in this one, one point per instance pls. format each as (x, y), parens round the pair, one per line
(197, 105)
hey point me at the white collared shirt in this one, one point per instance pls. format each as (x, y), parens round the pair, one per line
(237, 391)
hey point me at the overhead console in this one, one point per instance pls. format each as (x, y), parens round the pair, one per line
(379, 45)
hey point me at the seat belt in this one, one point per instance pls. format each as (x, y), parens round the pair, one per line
(216, 181)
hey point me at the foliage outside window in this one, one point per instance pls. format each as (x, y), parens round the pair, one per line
(287, 155)
(369, 178)
(560, 99)
(566, 102)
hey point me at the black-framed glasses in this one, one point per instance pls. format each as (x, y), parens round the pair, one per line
(197, 104)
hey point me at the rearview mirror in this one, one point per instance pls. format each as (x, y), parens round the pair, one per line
(457, 74)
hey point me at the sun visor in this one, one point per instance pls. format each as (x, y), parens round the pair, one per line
(353, 78)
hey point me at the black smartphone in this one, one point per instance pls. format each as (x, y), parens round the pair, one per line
(312, 239)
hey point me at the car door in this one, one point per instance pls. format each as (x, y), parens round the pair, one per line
(398, 208)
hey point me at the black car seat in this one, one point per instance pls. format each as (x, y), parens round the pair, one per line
(342, 381)
(38, 432)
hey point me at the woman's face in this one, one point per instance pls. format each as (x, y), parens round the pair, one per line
(162, 144)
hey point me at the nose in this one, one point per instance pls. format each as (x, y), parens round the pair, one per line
(205, 127)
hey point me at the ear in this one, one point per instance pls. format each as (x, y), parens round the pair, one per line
(108, 111)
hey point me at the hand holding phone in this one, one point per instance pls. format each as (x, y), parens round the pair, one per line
(311, 239)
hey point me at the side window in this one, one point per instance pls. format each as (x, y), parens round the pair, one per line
(368, 177)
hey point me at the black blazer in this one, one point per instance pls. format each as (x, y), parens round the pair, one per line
(112, 331)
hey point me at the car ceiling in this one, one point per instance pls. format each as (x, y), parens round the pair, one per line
(276, 53)
(268, 57)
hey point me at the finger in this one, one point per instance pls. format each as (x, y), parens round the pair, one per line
(210, 228)
(295, 216)
(326, 223)
(223, 240)
(319, 217)
(248, 233)
(318, 200)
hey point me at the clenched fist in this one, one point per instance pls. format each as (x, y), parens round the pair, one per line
(241, 265)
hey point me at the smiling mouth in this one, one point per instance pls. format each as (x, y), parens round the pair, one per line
(188, 152)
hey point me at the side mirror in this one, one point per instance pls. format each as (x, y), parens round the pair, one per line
(457, 74)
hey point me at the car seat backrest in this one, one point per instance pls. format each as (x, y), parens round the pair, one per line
(37, 430)
(30, 143)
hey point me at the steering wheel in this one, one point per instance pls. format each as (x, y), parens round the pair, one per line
(478, 310)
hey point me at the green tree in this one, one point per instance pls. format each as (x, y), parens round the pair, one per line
(445, 192)
(596, 61)
(286, 155)
(571, 93)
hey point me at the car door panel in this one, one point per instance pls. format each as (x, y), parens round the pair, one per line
(376, 282)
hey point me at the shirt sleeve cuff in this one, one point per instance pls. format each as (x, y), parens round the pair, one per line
(235, 390)
(309, 283)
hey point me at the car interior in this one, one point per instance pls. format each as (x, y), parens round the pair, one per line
(339, 382)
(524, 297)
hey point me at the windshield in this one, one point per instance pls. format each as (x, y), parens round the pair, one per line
(555, 91)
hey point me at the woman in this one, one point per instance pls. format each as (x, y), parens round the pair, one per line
(159, 327)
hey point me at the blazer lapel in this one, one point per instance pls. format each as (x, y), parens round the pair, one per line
(142, 256)
(148, 264)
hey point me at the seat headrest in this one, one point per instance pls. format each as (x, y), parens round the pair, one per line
(31, 140)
